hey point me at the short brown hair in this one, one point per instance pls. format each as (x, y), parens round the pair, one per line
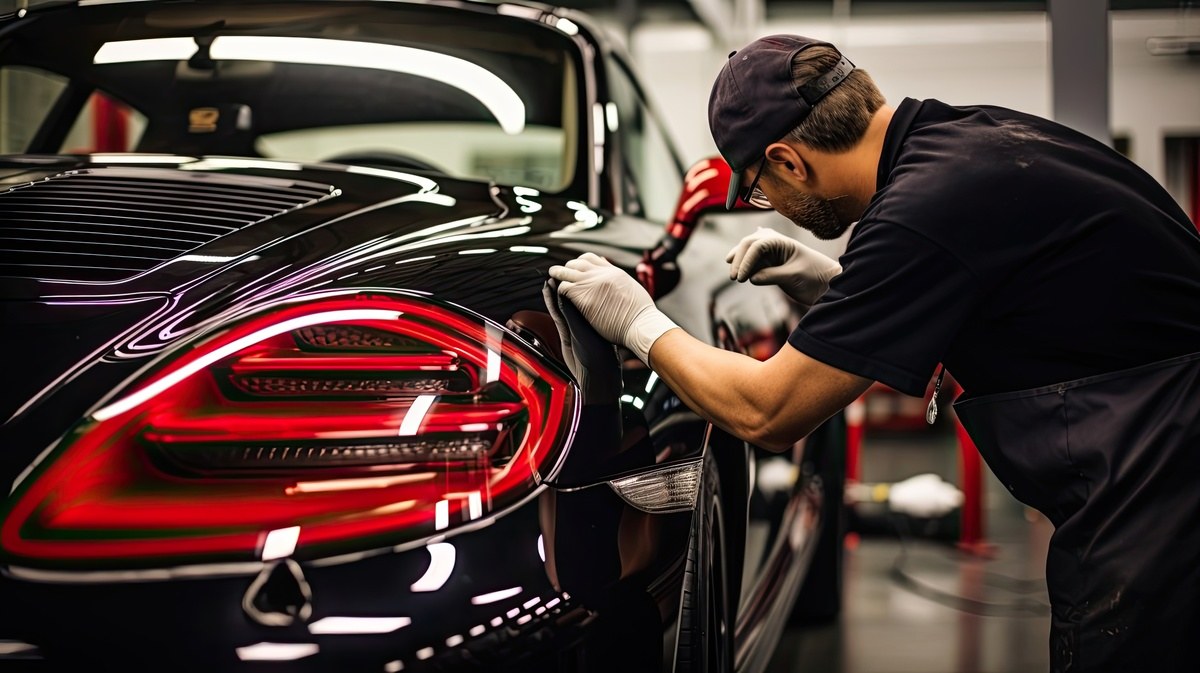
(839, 120)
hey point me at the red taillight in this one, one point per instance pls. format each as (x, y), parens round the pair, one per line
(365, 421)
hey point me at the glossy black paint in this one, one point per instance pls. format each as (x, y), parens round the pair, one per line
(615, 571)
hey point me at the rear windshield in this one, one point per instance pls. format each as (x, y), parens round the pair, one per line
(463, 93)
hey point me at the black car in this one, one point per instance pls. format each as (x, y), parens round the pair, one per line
(282, 391)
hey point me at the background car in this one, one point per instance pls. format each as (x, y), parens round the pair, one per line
(282, 382)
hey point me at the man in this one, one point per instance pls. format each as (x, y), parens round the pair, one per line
(1056, 280)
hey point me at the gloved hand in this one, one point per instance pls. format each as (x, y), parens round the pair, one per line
(589, 357)
(613, 302)
(924, 495)
(767, 257)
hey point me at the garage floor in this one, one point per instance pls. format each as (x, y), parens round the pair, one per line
(949, 612)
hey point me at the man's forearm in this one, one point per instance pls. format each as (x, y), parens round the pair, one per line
(772, 404)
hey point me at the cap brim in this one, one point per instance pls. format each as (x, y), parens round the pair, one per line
(735, 185)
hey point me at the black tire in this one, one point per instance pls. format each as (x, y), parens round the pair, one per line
(706, 620)
(820, 598)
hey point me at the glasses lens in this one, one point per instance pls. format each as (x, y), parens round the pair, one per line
(758, 199)
(752, 194)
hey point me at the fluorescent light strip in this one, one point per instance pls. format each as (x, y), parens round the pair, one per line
(139, 159)
(567, 26)
(441, 565)
(651, 381)
(416, 415)
(221, 163)
(156, 49)
(493, 366)
(167, 382)
(441, 514)
(350, 625)
(495, 596)
(280, 543)
(276, 651)
(496, 95)
(475, 505)
(8, 647)
(499, 98)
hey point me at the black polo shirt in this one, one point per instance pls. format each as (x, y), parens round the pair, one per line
(1018, 252)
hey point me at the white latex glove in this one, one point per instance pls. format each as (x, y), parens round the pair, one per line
(591, 359)
(767, 257)
(924, 495)
(615, 304)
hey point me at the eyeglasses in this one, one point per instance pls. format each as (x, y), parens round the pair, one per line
(752, 194)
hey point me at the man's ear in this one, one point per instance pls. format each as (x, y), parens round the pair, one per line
(788, 158)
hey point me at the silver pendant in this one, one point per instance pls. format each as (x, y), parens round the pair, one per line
(932, 411)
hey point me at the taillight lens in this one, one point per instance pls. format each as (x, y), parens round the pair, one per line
(366, 421)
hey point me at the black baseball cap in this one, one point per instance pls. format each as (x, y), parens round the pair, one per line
(755, 103)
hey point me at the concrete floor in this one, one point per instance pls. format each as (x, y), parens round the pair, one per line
(949, 612)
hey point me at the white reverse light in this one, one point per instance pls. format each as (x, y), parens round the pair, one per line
(672, 488)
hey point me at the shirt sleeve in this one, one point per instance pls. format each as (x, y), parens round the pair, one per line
(894, 310)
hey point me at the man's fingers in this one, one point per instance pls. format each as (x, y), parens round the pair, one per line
(771, 275)
(751, 260)
(733, 252)
(565, 274)
(737, 256)
(594, 259)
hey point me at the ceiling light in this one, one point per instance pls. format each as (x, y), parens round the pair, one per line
(483, 85)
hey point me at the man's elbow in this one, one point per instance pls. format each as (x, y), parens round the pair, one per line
(770, 434)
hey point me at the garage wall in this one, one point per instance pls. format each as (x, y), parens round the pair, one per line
(1000, 59)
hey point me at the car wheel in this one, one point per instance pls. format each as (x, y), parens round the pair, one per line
(820, 598)
(706, 620)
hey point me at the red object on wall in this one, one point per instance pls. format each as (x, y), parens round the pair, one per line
(110, 125)
(971, 533)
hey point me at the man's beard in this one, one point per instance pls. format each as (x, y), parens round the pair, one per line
(815, 215)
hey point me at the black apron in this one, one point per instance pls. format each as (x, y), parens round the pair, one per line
(1114, 462)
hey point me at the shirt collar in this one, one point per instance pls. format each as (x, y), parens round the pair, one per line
(897, 130)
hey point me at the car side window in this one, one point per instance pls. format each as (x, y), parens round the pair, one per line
(27, 96)
(104, 124)
(31, 96)
(652, 176)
